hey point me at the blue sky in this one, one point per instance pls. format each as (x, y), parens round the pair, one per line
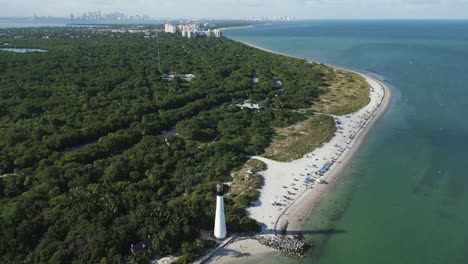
(312, 9)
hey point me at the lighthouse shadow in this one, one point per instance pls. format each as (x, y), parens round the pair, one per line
(232, 253)
(331, 231)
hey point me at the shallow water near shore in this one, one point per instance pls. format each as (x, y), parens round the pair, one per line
(404, 198)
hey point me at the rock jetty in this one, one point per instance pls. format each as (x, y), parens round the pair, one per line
(294, 247)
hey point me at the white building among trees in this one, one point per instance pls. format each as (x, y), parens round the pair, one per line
(192, 31)
(169, 28)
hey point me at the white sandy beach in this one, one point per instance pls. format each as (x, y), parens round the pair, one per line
(287, 183)
(292, 189)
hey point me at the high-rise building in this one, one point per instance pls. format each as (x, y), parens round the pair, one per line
(192, 34)
(192, 30)
(217, 33)
(169, 28)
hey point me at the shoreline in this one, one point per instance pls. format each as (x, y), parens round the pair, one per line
(304, 206)
(296, 213)
(236, 27)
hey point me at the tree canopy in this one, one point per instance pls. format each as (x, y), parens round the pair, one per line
(88, 166)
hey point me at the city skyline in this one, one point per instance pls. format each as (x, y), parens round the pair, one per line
(241, 9)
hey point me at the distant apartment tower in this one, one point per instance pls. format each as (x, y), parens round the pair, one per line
(192, 31)
(169, 28)
(192, 34)
(217, 33)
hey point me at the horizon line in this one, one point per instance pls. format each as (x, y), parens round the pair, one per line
(246, 19)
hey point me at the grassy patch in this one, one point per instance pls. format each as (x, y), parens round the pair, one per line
(295, 141)
(347, 92)
(245, 183)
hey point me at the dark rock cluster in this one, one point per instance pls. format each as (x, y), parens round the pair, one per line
(294, 247)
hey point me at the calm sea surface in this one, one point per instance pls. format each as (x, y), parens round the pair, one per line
(404, 198)
(23, 23)
(31, 23)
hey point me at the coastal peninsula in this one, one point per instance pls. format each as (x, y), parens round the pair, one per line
(114, 140)
(291, 188)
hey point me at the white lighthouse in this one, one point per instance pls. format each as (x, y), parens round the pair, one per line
(220, 219)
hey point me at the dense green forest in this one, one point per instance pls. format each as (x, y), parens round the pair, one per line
(87, 165)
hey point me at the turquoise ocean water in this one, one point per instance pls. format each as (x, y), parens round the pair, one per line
(404, 198)
(31, 23)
